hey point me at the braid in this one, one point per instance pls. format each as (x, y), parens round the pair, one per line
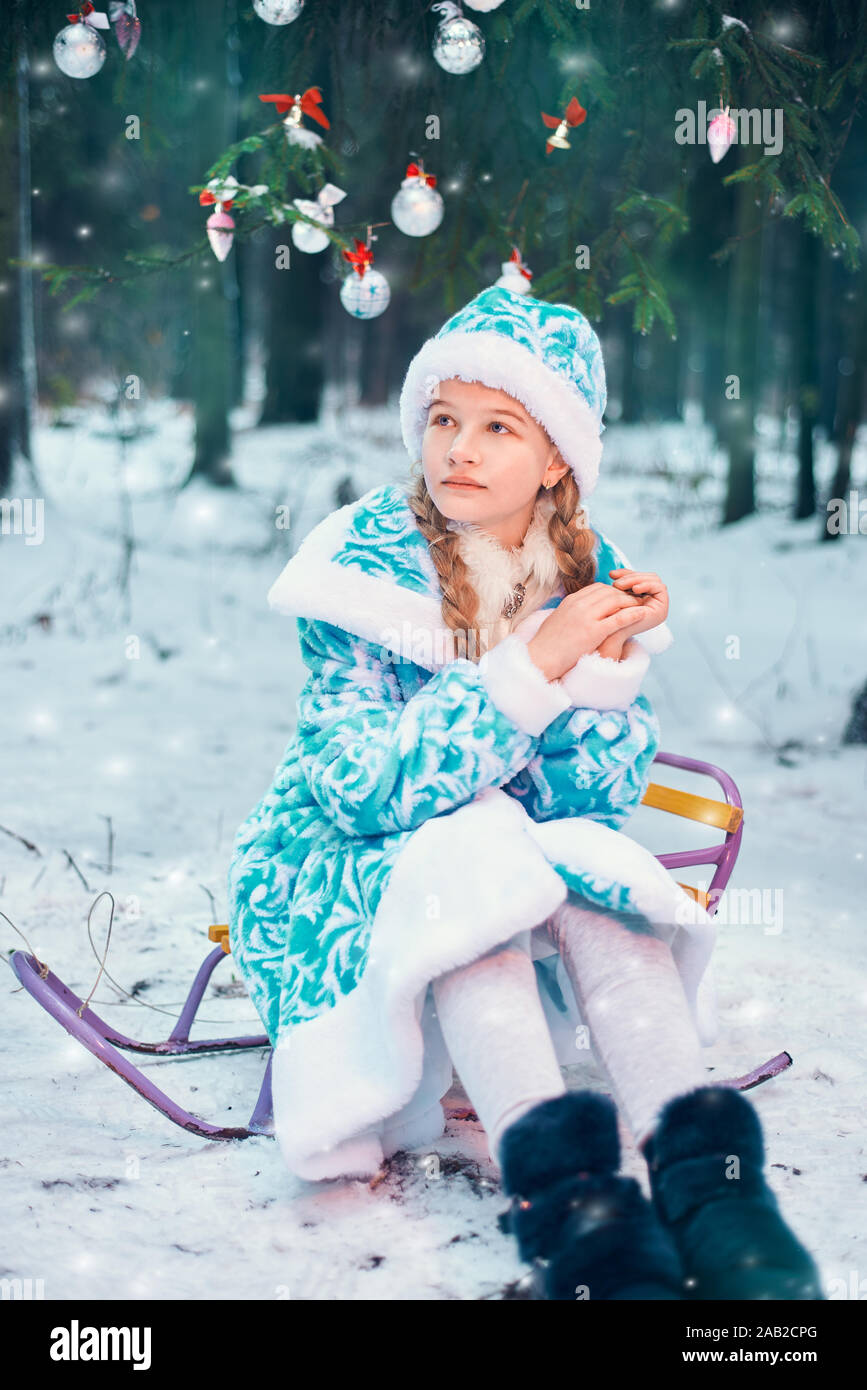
(568, 530)
(460, 602)
(571, 536)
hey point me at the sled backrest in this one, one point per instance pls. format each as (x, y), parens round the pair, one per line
(725, 815)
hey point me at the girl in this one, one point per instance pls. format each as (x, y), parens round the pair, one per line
(437, 875)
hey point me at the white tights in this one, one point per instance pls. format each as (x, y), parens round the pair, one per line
(629, 993)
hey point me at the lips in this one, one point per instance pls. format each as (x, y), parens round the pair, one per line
(468, 486)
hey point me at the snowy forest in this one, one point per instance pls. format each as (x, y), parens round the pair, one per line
(227, 227)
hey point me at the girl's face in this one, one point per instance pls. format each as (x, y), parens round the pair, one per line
(475, 432)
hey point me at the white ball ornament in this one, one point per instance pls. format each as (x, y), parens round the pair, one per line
(484, 6)
(278, 11)
(365, 296)
(79, 50)
(308, 238)
(459, 44)
(417, 208)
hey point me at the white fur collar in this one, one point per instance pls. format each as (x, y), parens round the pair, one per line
(495, 569)
(366, 568)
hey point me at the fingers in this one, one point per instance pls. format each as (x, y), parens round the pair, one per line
(601, 595)
(640, 581)
(624, 617)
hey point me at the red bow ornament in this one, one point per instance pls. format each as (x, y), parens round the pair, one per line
(206, 197)
(413, 171)
(360, 258)
(515, 259)
(575, 115)
(303, 103)
(88, 15)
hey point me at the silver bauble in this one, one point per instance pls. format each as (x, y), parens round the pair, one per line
(278, 11)
(79, 50)
(365, 296)
(459, 45)
(416, 208)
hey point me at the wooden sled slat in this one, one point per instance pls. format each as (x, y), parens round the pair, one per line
(700, 808)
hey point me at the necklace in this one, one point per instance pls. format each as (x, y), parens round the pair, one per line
(513, 603)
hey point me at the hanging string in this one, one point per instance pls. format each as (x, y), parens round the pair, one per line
(43, 969)
(142, 1003)
(104, 894)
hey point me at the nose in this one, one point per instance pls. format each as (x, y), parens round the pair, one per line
(464, 447)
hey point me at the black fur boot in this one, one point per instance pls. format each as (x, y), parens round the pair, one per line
(589, 1233)
(722, 1215)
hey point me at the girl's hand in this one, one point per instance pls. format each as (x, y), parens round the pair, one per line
(580, 622)
(654, 597)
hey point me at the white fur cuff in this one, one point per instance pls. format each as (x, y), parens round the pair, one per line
(655, 639)
(519, 689)
(598, 682)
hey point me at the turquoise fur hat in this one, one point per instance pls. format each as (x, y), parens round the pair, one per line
(546, 356)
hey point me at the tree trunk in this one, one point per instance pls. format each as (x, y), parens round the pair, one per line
(808, 370)
(851, 406)
(17, 332)
(217, 289)
(294, 374)
(631, 394)
(741, 357)
(376, 360)
(235, 261)
(11, 402)
(667, 399)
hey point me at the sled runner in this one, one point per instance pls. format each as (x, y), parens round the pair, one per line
(103, 1041)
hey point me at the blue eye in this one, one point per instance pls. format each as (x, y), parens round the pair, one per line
(436, 419)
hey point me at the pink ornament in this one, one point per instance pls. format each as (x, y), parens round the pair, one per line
(221, 230)
(720, 135)
(127, 27)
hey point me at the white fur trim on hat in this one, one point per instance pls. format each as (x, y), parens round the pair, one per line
(505, 365)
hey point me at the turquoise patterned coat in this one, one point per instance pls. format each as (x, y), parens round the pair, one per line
(425, 810)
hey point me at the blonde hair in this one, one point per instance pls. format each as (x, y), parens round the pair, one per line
(570, 535)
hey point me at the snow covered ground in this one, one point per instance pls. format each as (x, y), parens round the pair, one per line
(156, 715)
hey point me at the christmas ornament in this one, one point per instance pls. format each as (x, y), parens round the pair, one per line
(484, 6)
(127, 28)
(459, 45)
(365, 293)
(720, 135)
(307, 104)
(307, 238)
(417, 209)
(515, 277)
(79, 50)
(575, 115)
(220, 226)
(221, 231)
(278, 11)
